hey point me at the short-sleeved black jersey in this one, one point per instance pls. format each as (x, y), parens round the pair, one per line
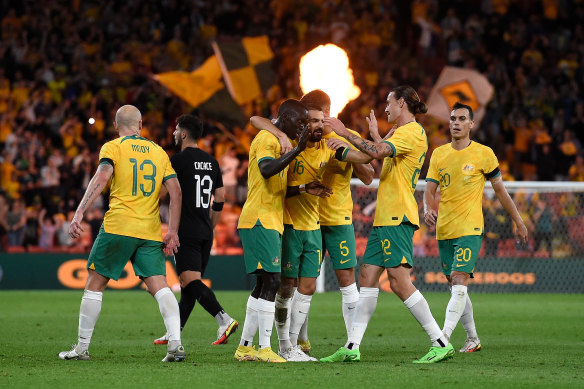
(199, 176)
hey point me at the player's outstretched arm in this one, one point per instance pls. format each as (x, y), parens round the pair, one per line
(217, 207)
(376, 150)
(96, 185)
(520, 230)
(262, 123)
(271, 167)
(344, 153)
(430, 207)
(170, 240)
(314, 188)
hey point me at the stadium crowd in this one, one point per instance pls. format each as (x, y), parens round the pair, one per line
(65, 67)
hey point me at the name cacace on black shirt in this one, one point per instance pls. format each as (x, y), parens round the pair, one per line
(199, 176)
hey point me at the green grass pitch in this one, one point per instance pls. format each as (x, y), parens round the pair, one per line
(529, 340)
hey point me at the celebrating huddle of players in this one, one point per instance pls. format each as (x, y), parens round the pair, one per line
(299, 206)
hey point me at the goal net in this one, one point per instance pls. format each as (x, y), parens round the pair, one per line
(552, 261)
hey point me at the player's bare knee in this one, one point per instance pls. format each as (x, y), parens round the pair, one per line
(459, 278)
(286, 288)
(307, 286)
(345, 277)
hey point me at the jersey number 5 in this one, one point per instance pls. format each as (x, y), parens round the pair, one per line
(204, 188)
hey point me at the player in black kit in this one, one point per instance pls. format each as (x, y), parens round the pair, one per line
(200, 179)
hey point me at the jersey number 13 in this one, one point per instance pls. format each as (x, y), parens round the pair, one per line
(204, 186)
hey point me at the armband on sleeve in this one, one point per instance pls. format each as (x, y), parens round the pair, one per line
(217, 207)
(341, 153)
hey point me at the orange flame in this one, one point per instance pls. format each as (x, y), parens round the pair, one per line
(327, 68)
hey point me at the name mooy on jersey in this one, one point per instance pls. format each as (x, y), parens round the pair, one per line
(203, 165)
(141, 149)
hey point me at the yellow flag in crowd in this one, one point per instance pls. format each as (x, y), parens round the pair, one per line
(197, 86)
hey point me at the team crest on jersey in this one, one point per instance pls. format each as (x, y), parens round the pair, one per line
(288, 266)
(468, 168)
(276, 260)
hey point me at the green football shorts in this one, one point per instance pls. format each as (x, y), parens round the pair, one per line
(262, 249)
(111, 252)
(460, 254)
(301, 253)
(339, 241)
(390, 246)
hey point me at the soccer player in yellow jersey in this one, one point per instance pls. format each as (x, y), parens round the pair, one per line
(461, 168)
(131, 228)
(390, 244)
(261, 225)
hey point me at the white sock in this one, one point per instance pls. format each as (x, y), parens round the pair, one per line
(299, 312)
(303, 335)
(419, 307)
(170, 314)
(266, 310)
(223, 319)
(467, 319)
(282, 318)
(250, 324)
(454, 309)
(88, 315)
(350, 298)
(363, 312)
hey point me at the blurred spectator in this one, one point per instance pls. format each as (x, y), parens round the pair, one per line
(576, 172)
(15, 222)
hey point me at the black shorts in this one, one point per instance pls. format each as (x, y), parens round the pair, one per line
(193, 255)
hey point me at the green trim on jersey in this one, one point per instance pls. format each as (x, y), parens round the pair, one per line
(168, 177)
(264, 159)
(432, 180)
(392, 147)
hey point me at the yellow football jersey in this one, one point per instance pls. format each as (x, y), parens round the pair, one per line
(309, 165)
(265, 197)
(461, 175)
(140, 168)
(337, 209)
(399, 176)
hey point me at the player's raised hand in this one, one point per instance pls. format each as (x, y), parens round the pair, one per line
(335, 144)
(430, 216)
(336, 125)
(520, 232)
(373, 129)
(171, 243)
(303, 137)
(75, 228)
(316, 188)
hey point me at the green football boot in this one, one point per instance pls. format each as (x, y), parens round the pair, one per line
(437, 354)
(343, 355)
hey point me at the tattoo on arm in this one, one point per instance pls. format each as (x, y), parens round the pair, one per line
(89, 197)
(373, 149)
